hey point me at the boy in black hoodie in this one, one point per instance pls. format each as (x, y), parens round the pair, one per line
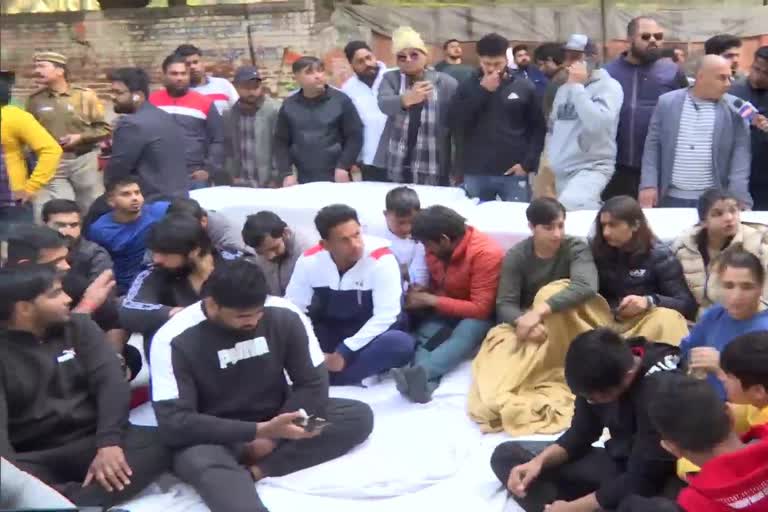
(612, 378)
(63, 398)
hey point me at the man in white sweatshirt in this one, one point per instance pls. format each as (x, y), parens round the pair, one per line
(401, 206)
(584, 122)
(349, 285)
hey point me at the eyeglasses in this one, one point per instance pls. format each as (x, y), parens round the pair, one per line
(658, 36)
(403, 57)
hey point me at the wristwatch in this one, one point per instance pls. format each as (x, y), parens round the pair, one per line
(651, 302)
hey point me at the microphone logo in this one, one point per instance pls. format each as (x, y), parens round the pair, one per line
(747, 111)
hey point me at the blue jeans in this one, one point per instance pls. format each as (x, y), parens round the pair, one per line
(11, 216)
(508, 188)
(464, 339)
(675, 202)
(391, 349)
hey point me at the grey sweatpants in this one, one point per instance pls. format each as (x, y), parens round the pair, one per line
(581, 190)
(227, 486)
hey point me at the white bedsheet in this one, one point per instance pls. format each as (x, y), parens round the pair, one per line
(505, 222)
(419, 457)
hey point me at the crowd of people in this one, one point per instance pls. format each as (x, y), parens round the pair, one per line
(245, 327)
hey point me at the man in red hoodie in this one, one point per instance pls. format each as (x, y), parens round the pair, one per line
(457, 307)
(695, 423)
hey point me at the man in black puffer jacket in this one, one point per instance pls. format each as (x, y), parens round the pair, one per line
(318, 129)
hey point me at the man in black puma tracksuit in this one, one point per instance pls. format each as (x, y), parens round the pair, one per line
(222, 399)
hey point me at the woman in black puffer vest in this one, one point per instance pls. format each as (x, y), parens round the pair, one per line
(640, 278)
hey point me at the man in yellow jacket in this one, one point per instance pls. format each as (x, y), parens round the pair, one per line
(17, 186)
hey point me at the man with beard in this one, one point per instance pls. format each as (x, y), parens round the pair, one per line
(249, 129)
(122, 231)
(85, 257)
(217, 89)
(643, 76)
(143, 138)
(522, 57)
(198, 118)
(91, 292)
(235, 378)
(64, 415)
(318, 130)
(754, 89)
(363, 89)
(728, 47)
(277, 246)
(75, 117)
(453, 64)
(182, 259)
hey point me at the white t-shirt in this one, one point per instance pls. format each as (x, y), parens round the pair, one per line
(221, 91)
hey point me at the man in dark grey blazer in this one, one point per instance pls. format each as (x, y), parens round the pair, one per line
(696, 141)
(147, 142)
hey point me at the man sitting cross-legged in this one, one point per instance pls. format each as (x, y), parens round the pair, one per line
(613, 378)
(277, 246)
(546, 295)
(458, 304)
(182, 259)
(349, 285)
(221, 396)
(63, 399)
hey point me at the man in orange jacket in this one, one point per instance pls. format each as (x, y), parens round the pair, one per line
(17, 187)
(464, 266)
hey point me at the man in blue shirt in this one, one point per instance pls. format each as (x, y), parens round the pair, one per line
(122, 232)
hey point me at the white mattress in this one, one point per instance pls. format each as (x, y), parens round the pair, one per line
(419, 457)
(505, 222)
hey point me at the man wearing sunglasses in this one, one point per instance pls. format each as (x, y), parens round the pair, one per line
(415, 146)
(643, 77)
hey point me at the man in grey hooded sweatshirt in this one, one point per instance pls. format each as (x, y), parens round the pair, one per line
(584, 121)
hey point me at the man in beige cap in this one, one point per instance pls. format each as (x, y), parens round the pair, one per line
(75, 117)
(415, 146)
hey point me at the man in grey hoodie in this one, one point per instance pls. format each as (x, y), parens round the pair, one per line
(584, 121)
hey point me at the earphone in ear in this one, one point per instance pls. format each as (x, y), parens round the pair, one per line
(135, 97)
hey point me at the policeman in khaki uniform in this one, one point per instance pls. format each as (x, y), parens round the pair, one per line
(75, 117)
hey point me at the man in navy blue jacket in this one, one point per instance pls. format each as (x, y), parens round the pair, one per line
(644, 77)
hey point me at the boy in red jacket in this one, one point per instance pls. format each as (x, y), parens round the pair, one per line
(695, 423)
(458, 305)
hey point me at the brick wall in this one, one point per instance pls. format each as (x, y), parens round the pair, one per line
(97, 41)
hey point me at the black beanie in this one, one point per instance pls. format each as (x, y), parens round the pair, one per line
(352, 48)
